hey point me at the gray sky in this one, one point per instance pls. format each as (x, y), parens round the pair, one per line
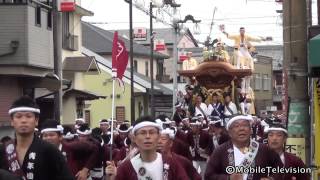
(259, 17)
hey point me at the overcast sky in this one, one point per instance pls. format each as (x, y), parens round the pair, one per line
(259, 17)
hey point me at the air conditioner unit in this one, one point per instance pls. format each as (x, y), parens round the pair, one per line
(72, 43)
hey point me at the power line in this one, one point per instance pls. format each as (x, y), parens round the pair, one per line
(268, 1)
(251, 24)
(141, 22)
(242, 18)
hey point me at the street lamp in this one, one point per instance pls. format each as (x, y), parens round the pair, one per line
(132, 100)
(157, 4)
(151, 59)
(178, 27)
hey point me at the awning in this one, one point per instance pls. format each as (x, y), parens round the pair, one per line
(314, 55)
(82, 11)
(81, 64)
(83, 95)
(49, 81)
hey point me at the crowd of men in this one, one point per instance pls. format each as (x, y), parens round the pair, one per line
(201, 147)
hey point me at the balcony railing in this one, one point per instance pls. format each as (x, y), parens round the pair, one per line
(277, 93)
(278, 90)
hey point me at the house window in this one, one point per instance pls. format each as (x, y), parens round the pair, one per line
(266, 82)
(67, 28)
(147, 68)
(135, 66)
(87, 116)
(79, 108)
(140, 110)
(120, 113)
(49, 19)
(38, 16)
(257, 82)
(160, 68)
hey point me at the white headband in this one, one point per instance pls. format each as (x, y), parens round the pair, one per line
(169, 132)
(178, 105)
(215, 122)
(277, 129)
(59, 129)
(185, 119)
(86, 132)
(168, 121)
(104, 123)
(146, 123)
(196, 123)
(240, 117)
(68, 136)
(24, 109)
(80, 119)
(124, 131)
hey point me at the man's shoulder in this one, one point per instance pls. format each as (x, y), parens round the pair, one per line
(291, 158)
(126, 163)
(180, 158)
(204, 133)
(266, 150)
(222, 149)
(46, 146)
(264, 147)
(232, 103)
(1, 147)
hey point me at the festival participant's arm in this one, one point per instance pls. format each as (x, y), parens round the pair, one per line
(58, 165)
(213, 170)
(125, 171)
(111, 171)
(254, 39)
(226, 56)
(275, 161)
(230, 36)
(82, 146)
(3, 162)
(179, 172)
(301, 164)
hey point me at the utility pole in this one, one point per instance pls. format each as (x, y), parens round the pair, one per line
(318, 9)
(295, 62)
(175, 67)
(57, 47)
(151, 60)
(132, 107)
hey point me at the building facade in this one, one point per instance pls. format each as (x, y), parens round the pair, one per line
(26, 53)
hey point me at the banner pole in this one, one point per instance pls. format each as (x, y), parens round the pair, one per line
(114, 74)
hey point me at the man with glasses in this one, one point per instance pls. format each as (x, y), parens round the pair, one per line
(148, 163)
(241, 152)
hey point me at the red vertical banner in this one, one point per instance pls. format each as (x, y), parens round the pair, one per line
(119, 56)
